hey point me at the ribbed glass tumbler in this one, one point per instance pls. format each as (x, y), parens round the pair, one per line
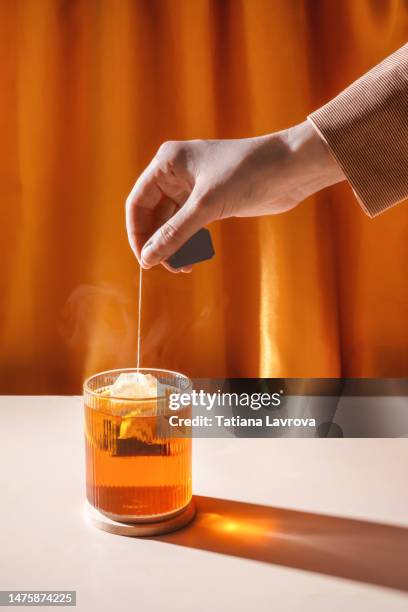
(138, 468)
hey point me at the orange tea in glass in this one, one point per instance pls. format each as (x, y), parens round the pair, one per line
(138, 468)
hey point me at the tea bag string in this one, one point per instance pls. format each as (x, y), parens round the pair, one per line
(139, 318)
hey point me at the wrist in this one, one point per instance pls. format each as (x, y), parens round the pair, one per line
(312, 160)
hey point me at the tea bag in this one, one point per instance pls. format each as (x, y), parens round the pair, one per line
(144, 389)
(135, 385)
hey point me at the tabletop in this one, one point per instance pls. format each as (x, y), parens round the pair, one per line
(282, 524)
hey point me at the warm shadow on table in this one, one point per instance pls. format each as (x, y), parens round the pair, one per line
(368, 552)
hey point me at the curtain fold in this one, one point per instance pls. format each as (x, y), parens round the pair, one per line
(90, 88)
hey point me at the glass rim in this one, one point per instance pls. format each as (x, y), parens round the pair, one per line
(86, 388)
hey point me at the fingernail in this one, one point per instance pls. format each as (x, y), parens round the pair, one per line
(148, 253)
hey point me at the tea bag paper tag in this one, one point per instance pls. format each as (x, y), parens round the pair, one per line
(198, 248)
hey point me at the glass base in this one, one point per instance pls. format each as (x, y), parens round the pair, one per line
(131, 518)
(143, 527)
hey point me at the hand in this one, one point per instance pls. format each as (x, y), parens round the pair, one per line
(189, 184)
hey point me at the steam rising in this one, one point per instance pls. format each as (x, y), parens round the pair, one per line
(99, 324)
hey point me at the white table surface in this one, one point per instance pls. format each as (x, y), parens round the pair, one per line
(329, 532)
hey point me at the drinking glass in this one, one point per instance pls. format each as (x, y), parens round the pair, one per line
(138, 467)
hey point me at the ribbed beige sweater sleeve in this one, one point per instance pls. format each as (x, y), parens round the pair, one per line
(366, 129)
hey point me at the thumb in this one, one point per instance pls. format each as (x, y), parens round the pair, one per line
(173, 234)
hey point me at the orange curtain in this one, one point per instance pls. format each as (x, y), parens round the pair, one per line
(89, 89)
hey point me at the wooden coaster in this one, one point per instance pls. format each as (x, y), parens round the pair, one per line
(177, 521)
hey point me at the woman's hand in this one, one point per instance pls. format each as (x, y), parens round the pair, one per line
(188, 184)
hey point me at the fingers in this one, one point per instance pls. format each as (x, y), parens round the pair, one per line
(140, 206)
(173, 234)
(162, 210)
(160, 190)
